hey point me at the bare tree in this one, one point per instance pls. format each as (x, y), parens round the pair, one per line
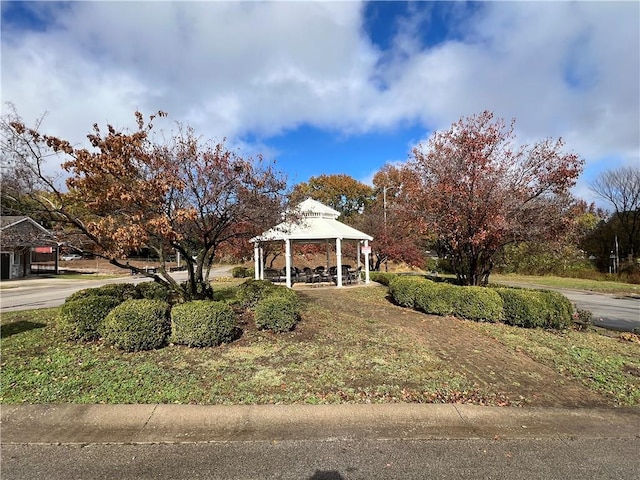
(621, 189)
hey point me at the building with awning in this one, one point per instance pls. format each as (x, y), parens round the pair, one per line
(20, 237)
(312, 222)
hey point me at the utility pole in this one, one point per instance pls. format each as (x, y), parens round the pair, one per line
(617, 257)
(384, 213)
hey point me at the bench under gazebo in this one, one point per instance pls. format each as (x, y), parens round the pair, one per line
(317, 223)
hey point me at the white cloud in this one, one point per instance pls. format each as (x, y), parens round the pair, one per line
(231, 68)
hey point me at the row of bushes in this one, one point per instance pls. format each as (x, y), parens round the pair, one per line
(518, 307)
(144, 324)
(132, 317)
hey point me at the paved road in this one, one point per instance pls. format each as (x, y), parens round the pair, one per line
(31, 293)
(613, 312)
(609, 311)
(332, 459)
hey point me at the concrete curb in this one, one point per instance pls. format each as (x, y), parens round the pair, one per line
(139, 424)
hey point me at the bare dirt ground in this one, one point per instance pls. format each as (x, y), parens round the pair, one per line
(483, 360)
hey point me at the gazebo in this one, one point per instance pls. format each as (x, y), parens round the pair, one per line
(317, 223)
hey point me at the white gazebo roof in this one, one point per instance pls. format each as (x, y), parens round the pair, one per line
(317, 222)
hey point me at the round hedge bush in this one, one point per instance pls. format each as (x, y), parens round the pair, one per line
(559, 310)
(121, 291)
(82, 318)
(202, 323)
(251, 291)
(239, 272)
(152, 291)
(535, 308)
(382, 278)
(403, 289)
(435, 298)
(522, 308)
(137, 325)
(477, 303)
(278, 312)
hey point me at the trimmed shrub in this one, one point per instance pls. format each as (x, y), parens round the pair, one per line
(382, 277)
(202, 323)
(239, 272)
(535, 308)
(82, 318)
(87, 292)
(278, 312)
(435, 298)
(120, 291)
(477, 303)
(558, 310)
(153, 291)
(522, 308)
(251, 291)
(403, 290)
(137, 325)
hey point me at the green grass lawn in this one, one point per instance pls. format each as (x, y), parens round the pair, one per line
(602, 286)
(356, 358)
(329, 363)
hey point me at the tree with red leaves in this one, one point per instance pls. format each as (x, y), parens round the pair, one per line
(382, 219)
(477, 190)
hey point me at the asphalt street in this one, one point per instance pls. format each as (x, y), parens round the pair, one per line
(609, 311)
(31, 293)
(332, 459)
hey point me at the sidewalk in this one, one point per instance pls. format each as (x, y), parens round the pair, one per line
(141, 424)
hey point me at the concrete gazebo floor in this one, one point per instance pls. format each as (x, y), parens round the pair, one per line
(313, 286)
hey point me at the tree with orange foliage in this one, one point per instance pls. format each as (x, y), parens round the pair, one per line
(477, 190)
(338, 191)
(128, 192)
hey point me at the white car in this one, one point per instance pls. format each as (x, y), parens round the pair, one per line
(71, 256)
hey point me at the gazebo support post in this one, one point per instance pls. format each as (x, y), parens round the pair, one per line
(338, 262)
(287, 260)
(261, 263)
(256, 261)
(327, 249)
(366, 262)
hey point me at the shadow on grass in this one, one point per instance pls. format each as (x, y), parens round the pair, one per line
(20, 326)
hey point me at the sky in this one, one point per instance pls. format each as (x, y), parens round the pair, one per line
(332, 87)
